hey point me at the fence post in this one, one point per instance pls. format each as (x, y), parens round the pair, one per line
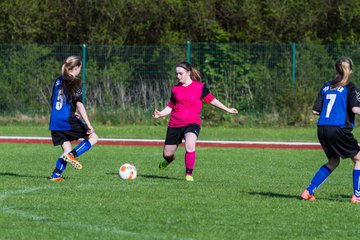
(188, 52)
(83, 75)
(293, 68)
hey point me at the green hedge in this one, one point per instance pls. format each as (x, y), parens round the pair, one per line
(270, 84)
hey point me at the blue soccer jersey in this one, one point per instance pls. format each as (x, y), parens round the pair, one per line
(335, 104)
(62, 108)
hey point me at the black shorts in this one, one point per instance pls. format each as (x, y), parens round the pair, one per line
(78, 131)
(175, 136)
(337, 142)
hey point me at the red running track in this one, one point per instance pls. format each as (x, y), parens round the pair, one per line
(152, 142)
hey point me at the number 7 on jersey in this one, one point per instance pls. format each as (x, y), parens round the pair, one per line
(330, 105)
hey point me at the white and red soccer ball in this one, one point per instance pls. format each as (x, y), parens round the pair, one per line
(127, 171)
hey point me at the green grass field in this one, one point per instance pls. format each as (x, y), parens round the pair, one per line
(237, 194)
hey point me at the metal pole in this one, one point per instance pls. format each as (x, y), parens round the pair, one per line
(83, 75)
(188, 52)
(293, 68)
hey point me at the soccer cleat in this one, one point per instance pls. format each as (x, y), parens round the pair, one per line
(163, 164)
(189, 178)
(307, 196)
(57, 179)
(71, 159)
(355, 199)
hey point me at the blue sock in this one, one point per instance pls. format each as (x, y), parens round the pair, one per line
(320, 177)
(81, 148)
(59, 168)
(356, 182)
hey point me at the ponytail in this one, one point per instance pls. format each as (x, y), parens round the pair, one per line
(343, 67)
(70, 83)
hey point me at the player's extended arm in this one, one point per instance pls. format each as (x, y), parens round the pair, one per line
(316, 112)
(218, 104)
(164, 112)
(356, 110)
(80, 107)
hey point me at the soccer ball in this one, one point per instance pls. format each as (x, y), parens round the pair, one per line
(127, 171)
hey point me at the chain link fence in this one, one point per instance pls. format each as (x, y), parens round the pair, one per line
(275, 80)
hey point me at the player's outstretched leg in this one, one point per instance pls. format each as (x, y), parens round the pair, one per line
(321, 175)
(72, 160)
(167, 160)
(356, 179)
(80, 149)
(356, 186)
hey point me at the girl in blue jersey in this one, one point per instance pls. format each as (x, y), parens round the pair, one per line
(337, 103)
(65, 123)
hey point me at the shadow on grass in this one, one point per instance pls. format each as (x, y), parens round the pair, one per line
(274, 195)
(11, 174)
(334, 198)
(337, 198)
(158, 177)
(149, 176)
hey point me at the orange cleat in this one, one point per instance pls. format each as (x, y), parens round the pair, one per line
(72, 160)
(57, 179)
(307, 196)
(355, 199)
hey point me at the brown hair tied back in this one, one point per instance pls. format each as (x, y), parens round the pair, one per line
(194, 74)
(343, 67)
(70, 83)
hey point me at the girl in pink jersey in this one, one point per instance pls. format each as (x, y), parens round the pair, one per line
(185, 107)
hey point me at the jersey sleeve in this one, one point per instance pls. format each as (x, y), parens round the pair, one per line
(353, 96)
(206, 95)
(318, 102)
(52, 95)
(78, 95)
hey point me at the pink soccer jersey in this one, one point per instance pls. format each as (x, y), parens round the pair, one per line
(186, 103)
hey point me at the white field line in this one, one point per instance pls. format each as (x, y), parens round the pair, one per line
(27, 214)
(161, 141)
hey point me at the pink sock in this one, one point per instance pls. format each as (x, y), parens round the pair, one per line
(190, 162)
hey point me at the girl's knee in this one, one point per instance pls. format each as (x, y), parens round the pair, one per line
(93, 138)
(190, 148)
(168, 154)
(356, 157)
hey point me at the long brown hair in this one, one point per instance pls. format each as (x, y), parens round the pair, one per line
(70, 83)
(194, 74)
(343, 67)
